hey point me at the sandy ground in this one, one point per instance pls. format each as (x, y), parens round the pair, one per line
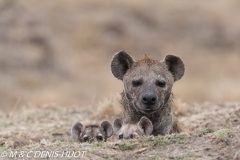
(55, 68)
(215, 133)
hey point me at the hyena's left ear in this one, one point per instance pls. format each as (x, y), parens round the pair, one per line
(145, 125)
(107, 128)
(117, 125)
(175, 66)
(121, 62)
(76, 130)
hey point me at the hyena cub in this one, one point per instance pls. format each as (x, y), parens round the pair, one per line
(92, 132)
(148, 90)
(132, 130)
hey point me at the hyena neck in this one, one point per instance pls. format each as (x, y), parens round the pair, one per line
(132, 115)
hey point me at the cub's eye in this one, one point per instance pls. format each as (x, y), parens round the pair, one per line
(85, 139)
(99, 138)
(136, 83)
(131, 136)
(120, 136)
(161, 83)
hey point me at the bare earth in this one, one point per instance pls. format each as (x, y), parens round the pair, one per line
(60, 51)
(215, 132)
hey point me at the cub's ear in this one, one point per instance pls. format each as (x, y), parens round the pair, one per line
(76, 130)
(121, 62)
(107, 128)
(146, 125)
(175, 66)
(117, 125)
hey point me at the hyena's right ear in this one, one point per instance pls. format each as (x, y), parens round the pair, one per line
(76, 130)
(107, 128)
(145, 125)
(117, 125)
(121, 62)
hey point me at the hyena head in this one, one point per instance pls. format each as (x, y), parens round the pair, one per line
(147, 82)
(92, 133)
(128, 131)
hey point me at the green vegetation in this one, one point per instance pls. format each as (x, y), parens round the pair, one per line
(174, 138)
(177, 138)
(187, 156)
(59, 143)
(160, 140)
(210, 154)
(52, 134)
(205, 131)
(145, 138)
(126, 146)
(223, 133)
(97, 144)
(177, 157)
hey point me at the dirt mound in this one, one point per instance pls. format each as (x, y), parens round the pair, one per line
(215, 133)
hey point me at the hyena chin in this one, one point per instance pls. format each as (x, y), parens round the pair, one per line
(92, 133)
(128, 130)
(148, 89)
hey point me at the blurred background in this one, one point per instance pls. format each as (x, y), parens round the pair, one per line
(60, 51)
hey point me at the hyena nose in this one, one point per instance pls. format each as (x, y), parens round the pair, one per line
(149, 98)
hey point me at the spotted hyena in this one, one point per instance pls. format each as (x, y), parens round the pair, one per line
(148, 90)
(132, 130)
(92, 132)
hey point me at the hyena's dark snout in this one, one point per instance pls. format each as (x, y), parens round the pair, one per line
(149, 99)
(149, 103)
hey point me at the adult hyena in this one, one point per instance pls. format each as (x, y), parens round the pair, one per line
(148, 90)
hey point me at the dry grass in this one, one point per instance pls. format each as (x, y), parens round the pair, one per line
(108, 109)
(58, 53)
(180, 108)
(47, 128)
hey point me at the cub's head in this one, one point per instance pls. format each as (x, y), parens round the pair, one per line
(92, 132)
(147, 82)
(129, 131)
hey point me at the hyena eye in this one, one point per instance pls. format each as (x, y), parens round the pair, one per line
(161, 83)
(120, 136)
(100, 138)
(85, 139)
(136, 83)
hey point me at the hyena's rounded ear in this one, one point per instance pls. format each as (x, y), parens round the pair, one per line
(76, 130)
(107, 128)
(175, 65)
(146, 125)
(117, 125)
(121, 62)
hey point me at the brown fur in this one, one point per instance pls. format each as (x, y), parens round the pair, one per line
(149, 76)
(92, 132)
(147, 59)
(132, 130)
